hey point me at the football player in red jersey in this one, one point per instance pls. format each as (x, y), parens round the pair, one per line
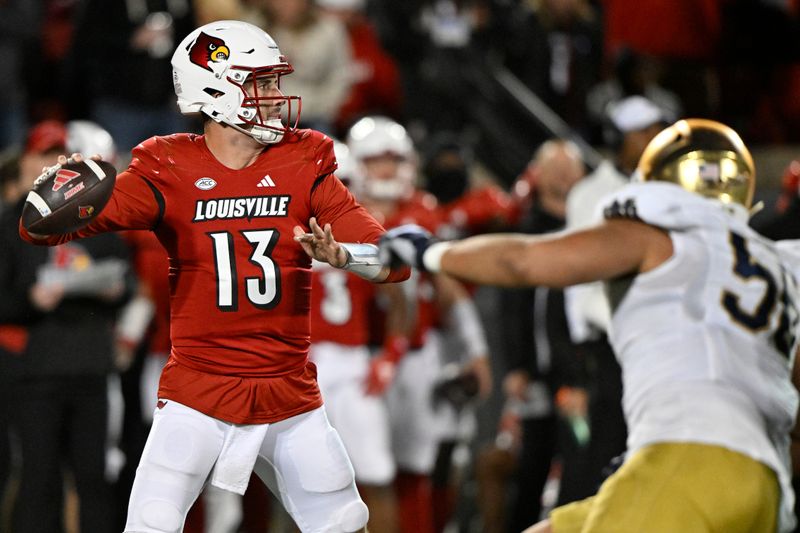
(238, 393)
(386, 186)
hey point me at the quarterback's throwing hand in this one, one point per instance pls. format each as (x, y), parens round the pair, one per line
(405, 245)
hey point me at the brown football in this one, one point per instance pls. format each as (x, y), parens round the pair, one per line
(68, 198)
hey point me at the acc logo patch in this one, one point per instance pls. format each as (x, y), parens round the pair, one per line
(205, 184)
(207, 50)
(63, 176)
(85, 211)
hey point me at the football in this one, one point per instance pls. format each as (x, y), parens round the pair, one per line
(68, 197)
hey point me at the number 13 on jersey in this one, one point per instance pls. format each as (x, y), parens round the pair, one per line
(263, 292)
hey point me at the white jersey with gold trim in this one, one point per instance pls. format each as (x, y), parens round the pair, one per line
(706, 340)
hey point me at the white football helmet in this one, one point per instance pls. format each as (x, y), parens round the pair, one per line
(89, 138)
(210, 68)
(373, 137)
(347, 171)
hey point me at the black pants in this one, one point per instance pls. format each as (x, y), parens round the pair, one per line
(61, 421)
(536, 456)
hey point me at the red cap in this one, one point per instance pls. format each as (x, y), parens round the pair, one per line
(45, 136)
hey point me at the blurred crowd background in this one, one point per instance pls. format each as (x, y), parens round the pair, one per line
(508, 103)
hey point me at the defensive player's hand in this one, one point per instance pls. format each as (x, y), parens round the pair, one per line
(320, 244)
(405, 245)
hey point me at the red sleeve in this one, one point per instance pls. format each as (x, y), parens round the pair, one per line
(136, 203)
(324, 157)
(332, 203)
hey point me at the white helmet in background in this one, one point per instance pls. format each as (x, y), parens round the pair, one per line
(210, 68)
(347, 171)
(89, 138)
(374, 137)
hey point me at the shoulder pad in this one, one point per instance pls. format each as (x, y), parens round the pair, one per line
(146, 157)
(661, 204)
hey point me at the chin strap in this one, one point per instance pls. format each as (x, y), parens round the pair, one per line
(262, 134)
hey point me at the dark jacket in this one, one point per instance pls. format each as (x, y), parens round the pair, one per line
(75, 338)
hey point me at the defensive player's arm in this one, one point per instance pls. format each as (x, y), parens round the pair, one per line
(615, 248)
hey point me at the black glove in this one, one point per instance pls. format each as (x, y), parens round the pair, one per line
(405, 245)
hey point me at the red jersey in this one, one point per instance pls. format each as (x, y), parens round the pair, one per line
(376, 87)
(420, 209)
(340, 306)
(240, 286)
(481, 209)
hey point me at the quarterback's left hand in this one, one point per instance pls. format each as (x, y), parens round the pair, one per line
(405, 245)
(320, 244)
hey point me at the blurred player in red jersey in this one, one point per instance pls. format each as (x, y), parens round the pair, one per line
(352, 383)
(238, 393)
(467, 204)
(388, 164)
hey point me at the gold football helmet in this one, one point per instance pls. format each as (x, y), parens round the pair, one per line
(702, 156)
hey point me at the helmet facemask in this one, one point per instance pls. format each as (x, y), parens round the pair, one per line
(261, 114)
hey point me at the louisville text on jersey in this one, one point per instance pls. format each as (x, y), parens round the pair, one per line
(246, 207)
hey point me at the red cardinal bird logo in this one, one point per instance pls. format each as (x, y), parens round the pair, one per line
(207, 49)
(85, 211)
(63, 177)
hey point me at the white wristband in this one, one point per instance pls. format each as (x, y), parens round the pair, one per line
(432, 258)
(362, 260)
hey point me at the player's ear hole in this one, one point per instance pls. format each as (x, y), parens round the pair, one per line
(214, 93)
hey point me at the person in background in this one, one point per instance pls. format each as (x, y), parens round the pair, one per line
(20, 27)
(386, 187)
(632, 124)
(538, 354)
(121, 63)
(467, 204)
(320, 52)
(352, 382)
(555, 48)
(633, 74)
(376, 88)
(67, 298)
